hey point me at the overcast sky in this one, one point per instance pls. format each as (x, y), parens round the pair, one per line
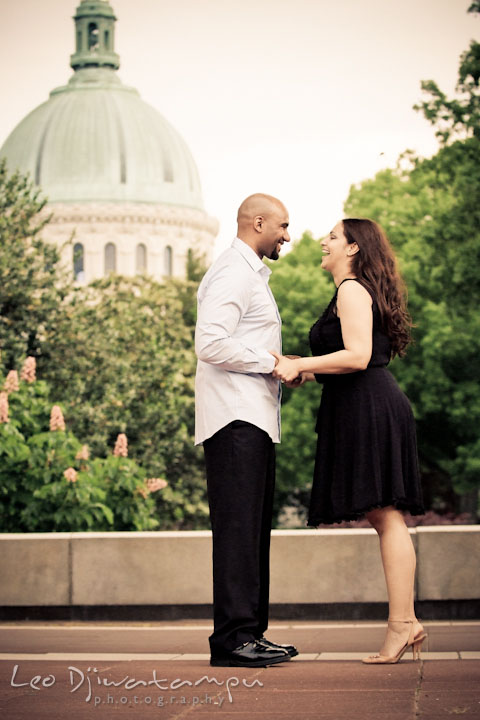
(296, 98)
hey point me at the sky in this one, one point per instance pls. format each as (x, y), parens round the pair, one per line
(296, 98)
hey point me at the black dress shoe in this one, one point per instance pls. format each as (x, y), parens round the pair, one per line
(251, 654)
(290, 649)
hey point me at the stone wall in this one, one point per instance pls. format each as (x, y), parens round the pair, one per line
(170, 568)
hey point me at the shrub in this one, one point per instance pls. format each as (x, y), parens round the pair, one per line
(47, 480)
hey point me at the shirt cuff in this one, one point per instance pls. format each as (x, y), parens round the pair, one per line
(266, 359)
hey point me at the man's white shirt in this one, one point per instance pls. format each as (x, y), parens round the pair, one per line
(237, 324)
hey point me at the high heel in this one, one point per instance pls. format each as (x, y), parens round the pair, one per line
(414, 641)
(418, 641)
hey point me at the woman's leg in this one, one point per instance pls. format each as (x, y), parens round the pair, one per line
(398, 558)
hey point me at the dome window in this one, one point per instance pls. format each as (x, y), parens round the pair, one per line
(93, 43)
(78, 262)
(168, 261)
(110, 258)
(141, 259)
(106, 38)
(79, 40)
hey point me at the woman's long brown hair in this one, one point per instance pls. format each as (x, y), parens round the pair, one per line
(376, 265)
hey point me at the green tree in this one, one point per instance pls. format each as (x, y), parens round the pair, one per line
(458, 117)
(121, 359)
(31, 286)
(186, 290)
(118, 355)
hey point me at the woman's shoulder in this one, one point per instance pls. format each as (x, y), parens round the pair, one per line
(354, 288)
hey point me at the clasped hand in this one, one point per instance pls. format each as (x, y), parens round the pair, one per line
(286, 369)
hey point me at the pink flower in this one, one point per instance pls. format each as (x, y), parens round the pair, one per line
(11, 382)
(56, 419)
(154, 484)
(83, 453)
(3, 407)
(29, 370)
(70, 475)
(121, 446)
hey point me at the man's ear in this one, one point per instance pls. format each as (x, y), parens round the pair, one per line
(258, 222)
(352, 249)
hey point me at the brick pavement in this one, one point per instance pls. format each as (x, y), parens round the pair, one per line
(67, 671)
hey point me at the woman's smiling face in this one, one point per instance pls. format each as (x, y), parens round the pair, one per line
(334, 247)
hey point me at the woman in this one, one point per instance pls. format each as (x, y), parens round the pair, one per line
(366, 461)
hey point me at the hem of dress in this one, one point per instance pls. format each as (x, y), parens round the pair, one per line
(347, 517)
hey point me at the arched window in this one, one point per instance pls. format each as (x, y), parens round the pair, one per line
(110, 258)
(92, 36)
(79, 40)
(168, 261)
(78, 262)
(106, 38)
(141, 259)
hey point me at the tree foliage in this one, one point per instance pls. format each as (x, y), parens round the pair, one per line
(457, 117)
(121, 359)
(31, 284)
(117, 355)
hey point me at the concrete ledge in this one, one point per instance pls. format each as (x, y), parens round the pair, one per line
(141, 568)
(326, 566)
(35, 569)
(448, 562)
(331, 567)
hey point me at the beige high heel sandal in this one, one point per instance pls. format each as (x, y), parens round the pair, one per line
(414, 641)
(418, 641)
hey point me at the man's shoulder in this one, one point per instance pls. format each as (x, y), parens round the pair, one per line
(228, 257)
(231, 264)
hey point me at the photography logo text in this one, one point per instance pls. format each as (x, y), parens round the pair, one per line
(90, 682)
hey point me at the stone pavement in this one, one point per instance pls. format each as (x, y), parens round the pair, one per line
(137, 671)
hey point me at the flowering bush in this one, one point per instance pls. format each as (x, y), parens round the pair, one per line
(48, 481)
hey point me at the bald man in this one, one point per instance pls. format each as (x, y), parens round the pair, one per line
(238, 422)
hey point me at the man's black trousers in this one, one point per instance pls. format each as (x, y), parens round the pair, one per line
(240, 464)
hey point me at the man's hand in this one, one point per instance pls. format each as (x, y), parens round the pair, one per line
(286, 369)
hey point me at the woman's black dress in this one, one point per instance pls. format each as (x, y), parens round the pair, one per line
(367, 450)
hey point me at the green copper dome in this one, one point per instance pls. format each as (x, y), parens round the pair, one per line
(95, 139)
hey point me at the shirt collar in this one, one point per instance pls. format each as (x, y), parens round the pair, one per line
(250, 256)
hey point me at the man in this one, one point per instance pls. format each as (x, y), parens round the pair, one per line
(238, 421)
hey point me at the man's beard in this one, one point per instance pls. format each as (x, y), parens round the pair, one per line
(274, 255)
